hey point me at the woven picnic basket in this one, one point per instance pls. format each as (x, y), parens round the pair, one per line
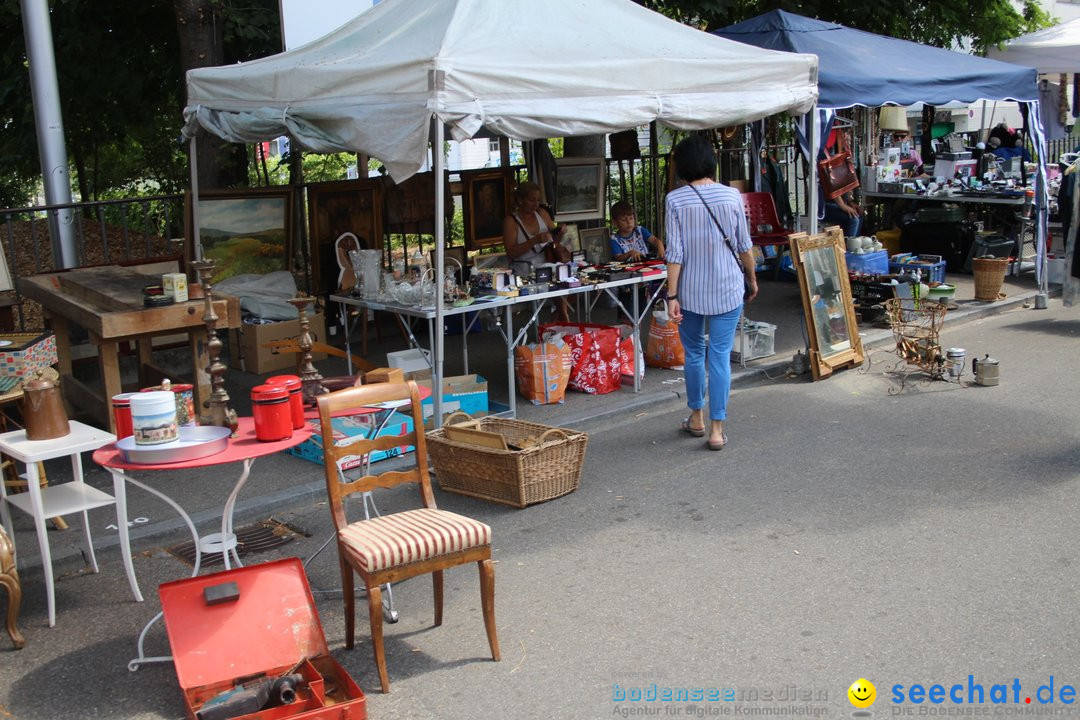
(548, 466)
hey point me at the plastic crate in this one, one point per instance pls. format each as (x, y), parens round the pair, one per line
(932, 267)
(874, 263)
(869, 292)
(757, 338)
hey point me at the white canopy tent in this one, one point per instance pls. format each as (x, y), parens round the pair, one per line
(519, 68)
(1053, 50)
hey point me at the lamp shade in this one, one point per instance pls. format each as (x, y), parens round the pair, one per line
(893, 119)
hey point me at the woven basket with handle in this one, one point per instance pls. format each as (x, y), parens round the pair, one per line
(546, 463)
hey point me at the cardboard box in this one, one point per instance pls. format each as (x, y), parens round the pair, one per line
(464, 393)
(247, 343)
(23, 354)
(346, 428)
(252, 625)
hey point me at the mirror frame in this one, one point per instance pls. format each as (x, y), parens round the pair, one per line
(832, 238)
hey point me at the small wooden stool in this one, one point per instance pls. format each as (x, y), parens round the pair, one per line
(9, 579)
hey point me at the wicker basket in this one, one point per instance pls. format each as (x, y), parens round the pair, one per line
(989, 275)
(549, 469)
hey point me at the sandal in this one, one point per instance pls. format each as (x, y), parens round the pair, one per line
(720, 445)
(696, 432)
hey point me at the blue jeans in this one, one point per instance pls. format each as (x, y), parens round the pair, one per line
(721, 330)
(835, 216)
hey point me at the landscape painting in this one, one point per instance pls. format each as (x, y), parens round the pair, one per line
(246, 232)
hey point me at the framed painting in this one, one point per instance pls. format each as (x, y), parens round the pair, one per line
(594, 242)
(579, 188)
(245, 231)
(572, 238)
(486, 196)
(335, 208)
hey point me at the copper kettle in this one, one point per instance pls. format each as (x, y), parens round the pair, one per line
(42, 409)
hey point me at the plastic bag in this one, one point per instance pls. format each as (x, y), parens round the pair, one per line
(663, 348)
(597, 360)
(543, 371)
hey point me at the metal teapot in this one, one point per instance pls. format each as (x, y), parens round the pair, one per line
(42, 409)
(985, 370)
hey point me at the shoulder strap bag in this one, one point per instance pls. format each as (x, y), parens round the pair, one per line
(726, 240)
(836, 173)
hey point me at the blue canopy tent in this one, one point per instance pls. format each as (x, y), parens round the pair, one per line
(861, 68)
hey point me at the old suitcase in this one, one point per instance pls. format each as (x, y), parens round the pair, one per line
(249, 640)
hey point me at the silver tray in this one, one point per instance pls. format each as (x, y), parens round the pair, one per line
(195, 442)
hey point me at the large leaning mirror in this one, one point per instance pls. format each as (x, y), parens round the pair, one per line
(827, 302)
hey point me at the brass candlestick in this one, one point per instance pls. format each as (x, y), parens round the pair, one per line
(218, 402)
(309, 375)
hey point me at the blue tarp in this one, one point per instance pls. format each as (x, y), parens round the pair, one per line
(861, 68)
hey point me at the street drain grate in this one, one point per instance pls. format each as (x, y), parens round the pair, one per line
(260, 537)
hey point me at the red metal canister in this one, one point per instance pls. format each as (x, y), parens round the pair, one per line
(296, 397)
(270, 410)
(121, 407)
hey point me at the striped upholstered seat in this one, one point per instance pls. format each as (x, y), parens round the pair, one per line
(397, 546)
(411, 536)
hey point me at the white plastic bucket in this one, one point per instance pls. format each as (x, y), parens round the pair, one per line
(153, 418)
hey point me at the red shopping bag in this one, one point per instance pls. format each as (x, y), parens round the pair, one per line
(543, 371)
(594, 349)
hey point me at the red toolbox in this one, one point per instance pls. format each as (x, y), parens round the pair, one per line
(245, 629)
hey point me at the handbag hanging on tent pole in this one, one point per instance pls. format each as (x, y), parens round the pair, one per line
(836, 173)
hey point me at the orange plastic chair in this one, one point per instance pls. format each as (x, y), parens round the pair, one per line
(765, 226)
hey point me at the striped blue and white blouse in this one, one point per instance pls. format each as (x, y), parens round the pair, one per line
(710, 279)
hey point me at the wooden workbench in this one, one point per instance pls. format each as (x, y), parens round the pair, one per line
(107, 302)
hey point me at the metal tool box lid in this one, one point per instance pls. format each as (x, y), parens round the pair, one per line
(272, 624)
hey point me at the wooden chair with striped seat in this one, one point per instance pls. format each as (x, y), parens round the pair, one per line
(397, 546)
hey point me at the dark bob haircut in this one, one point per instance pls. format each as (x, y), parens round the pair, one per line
(695, 159)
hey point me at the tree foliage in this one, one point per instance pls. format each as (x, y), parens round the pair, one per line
(121, 87)
(976, 24)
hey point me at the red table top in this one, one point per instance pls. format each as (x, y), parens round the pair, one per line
(243, 446)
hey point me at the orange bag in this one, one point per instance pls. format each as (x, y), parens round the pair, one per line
(664, 349)
(542, 371)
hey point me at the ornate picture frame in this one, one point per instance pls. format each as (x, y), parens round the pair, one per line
(827, 302)
(487, 200)
(245, 231)
(338, 207)
(580, 188)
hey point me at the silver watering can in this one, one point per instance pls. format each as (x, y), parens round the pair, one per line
(985, 371)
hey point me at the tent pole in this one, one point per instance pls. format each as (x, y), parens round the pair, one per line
(196, 239)
(812, 194)
(437, 166)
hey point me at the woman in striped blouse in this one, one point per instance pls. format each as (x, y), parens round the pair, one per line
(707, 240)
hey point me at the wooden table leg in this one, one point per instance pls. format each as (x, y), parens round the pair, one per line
(145, 349)
(200, 360)
(9, 579)
(109, 363)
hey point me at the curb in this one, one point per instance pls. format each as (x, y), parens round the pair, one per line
(307, 494)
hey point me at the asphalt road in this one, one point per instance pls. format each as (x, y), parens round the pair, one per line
(846, 532)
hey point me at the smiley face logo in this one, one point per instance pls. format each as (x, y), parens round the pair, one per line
(862, 693)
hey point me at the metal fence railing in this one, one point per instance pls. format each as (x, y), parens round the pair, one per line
(102, 232)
